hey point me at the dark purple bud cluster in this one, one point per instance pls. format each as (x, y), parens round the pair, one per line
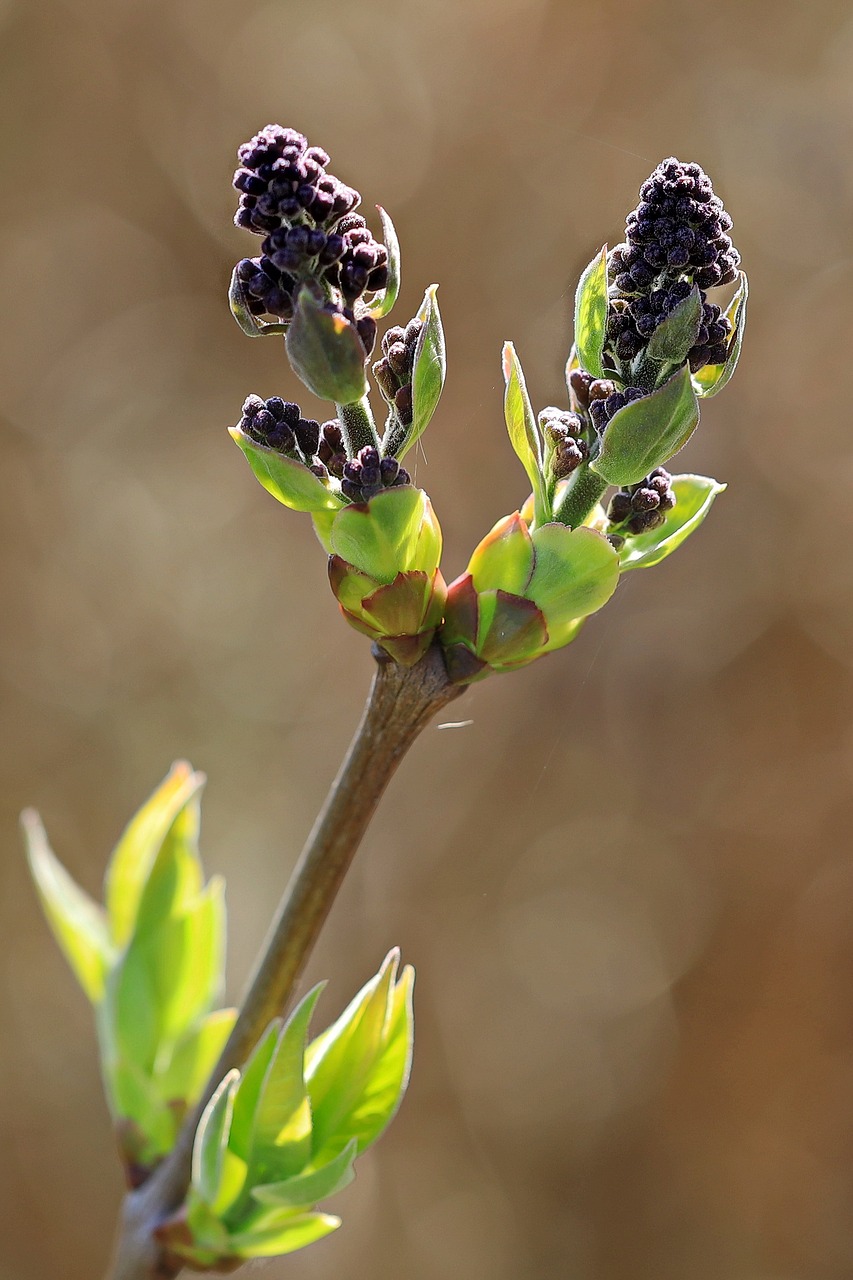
(278, 424)
(675, 238)
(368, 474)
(394, 371)
(605, 400)
(639, 508)
(283, 181)
(632, 321)
(563, 437)
(679, 226)
(306, 218)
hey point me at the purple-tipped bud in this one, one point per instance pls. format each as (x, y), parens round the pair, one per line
(368, 473)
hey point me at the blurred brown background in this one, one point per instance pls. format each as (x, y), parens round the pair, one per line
(627, 886)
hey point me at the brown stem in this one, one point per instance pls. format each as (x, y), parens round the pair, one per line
(400, 704)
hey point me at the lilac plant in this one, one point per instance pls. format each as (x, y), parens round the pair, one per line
(233, 1126)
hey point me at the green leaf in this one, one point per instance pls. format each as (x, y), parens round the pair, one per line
(713, 377)
(380, 538)
(646, 433)
(591, 314)
(287, 480)
(354, 1088)
(522, 428)
(194, 1056)
(325, 351)
(313, 1185)
(249, 323)
(575, 572)
(291, 1232)
(139, 845)
(676, 334)
(211, 1139)
(428, 371)
(694, 496)
(78, 924)
(281, 1133)
(133, 1099)
(385, 299)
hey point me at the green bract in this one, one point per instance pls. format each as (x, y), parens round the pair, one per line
(524, 594)
(289, 481)
(646, 433)
(283, 1134)
(693, 498)
(591, 314)
(325, 351)
(713, 377)
(384, 570)
(429, 368)
(151, 963)
(385, 299)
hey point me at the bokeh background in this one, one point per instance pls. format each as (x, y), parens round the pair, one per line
(627, 885)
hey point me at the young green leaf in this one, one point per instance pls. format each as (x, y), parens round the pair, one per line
(713, 377)
(289, 481)
(325, 351)
(591, 314)
(281, 1133)
(313, 1185)
(211, 1139)
(344, 1065)
(385, 299)
(289, 1233)
(522, 428)
(136, 851)
(646, 433)
(79, 924)
(194, 1056)
(694, 496)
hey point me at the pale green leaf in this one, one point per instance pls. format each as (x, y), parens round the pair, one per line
(292, 1232)
(591, 314)
(575, 572)
(139, 845)
(339, 1063)
(281, 1133)
(78, 924)
(694, 496)
(522, 428)
(211, 1139)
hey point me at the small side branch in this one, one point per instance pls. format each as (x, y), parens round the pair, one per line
(400, 704)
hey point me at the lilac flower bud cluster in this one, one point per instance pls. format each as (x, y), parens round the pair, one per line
(394, 371)
(368, 474)
(278, 424)
(678, 226)
(563, 436)
(639, 508)
(306, 218)
(677, 237)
